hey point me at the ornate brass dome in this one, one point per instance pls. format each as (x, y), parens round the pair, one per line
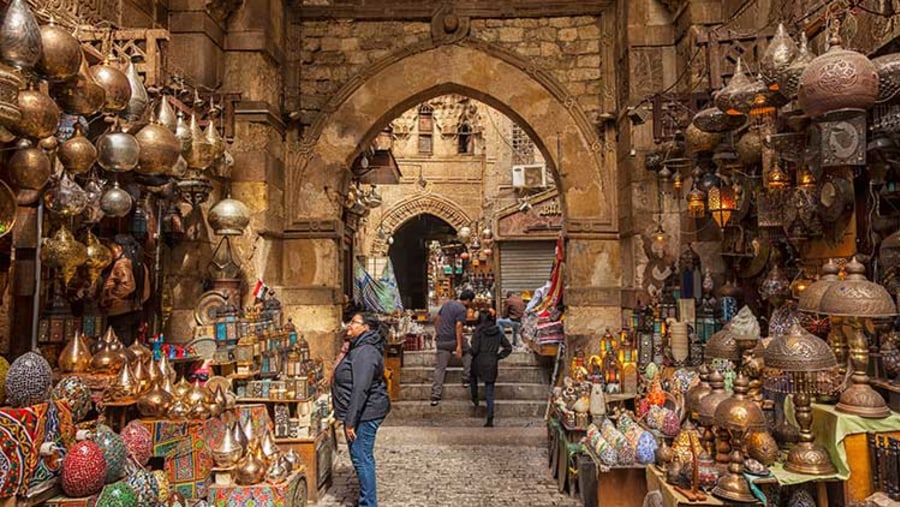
(706, 411)
(722, 345)
(698, 392)
(799, 351)
(229, 217)
(812, 296)
(888, 68)
(729, 99)
(778, 56)
(838, 79)
(855, 296)
(788, 77)
(738, 413)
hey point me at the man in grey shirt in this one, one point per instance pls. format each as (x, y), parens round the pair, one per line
(449, 330)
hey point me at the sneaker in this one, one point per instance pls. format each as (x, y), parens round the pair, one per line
(434, 403)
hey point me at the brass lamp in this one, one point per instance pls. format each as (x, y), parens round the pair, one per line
(706, 415)
(738, 415)
(857, 298)
(811, 297)
(801, 364)
(721, 204)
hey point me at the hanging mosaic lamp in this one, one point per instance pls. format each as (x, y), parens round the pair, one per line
(721, 204)
(838, 79)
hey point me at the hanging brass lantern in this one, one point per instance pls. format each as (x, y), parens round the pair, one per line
(165, 114)
(40, 115)
(778, 56)
(99, 257)
(729, 99)
(78, 153)
(75, 356)
(29, 167)
(696, 202)
(138, 102)
(81, 96)
(159, 149)
(714, 121)
(838, 79)
(116, 202)
(721, 204)
(63, 251)
(115, 84)
(20, 36)
(118, 151)
(61, 55)
(788, 77)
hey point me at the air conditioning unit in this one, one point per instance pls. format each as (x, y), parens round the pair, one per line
(529, 176)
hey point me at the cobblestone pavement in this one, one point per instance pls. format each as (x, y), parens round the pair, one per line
(416, 469)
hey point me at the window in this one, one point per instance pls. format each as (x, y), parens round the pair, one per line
(426, 129)
(465, 138)
(523, 147)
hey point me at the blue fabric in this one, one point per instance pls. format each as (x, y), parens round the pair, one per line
(363, 458)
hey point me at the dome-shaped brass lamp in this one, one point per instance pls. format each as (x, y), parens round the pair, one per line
(857, 298)
(738, 415)
(796, 363)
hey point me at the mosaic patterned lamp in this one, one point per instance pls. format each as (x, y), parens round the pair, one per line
(856, 298)
(801, 364)
(721, 204)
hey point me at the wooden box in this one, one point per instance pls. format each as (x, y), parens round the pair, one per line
(317, 457)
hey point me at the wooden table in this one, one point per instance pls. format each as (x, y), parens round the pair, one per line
(317, 454)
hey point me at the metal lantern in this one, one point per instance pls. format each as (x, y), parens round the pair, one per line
(838, 79)
(721, 204)
(737, 415)
(778, 56)
(20, 36)
(811, 297)
(229, 217)
(728, 99)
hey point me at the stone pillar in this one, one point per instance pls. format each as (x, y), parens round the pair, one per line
(197, 43)
(593, 292)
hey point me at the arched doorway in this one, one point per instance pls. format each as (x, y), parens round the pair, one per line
(409, 255)
(584, 167)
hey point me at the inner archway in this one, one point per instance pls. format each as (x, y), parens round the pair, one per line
(409, 255)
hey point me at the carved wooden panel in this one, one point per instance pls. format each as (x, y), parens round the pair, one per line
(144, 47)
(724, 47)
(78, 12)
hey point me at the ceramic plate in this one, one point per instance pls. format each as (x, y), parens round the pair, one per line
(207, 305)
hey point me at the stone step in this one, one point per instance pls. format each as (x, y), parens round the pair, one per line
(457, 408)
(427, 358)
(455, 391)
(510, 374)
(516, 432)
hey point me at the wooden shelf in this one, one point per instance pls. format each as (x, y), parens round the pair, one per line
(270, 400)
(243, 376)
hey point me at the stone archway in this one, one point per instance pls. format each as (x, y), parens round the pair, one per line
(583, 165)
(405, 210)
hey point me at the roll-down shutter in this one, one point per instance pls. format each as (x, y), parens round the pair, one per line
(525, 265)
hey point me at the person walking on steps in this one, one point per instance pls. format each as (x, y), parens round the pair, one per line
(360, 398)
(448, 326)
(489, 346)
(513, 311)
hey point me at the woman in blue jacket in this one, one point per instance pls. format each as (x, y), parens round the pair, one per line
(360, 398)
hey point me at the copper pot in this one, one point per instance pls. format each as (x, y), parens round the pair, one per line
(29, 168)
(81, 96)
(40, 115)
(61, 56)
(115, 83)
(160, 149)
(78, 153)
(838, 79)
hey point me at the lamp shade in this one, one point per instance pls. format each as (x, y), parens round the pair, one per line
(799, 351)
(721, 204)
(739, 413)
(811, 297)
(855, 296)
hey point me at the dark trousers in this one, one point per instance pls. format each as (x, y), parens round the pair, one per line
(125, 326)
(488, 394)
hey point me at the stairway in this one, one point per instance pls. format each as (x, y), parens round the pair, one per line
(521, 391)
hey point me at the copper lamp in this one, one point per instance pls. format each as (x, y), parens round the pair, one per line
(857, 298)
(738, 415)
(801, 364)
(811, 297)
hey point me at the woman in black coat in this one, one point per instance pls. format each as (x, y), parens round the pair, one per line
(486, 352)
(360, 398)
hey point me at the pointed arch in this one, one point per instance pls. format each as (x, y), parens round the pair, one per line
(407, 209)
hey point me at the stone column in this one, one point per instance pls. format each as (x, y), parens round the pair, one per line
(197, 43)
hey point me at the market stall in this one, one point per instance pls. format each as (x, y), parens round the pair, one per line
(108, 165)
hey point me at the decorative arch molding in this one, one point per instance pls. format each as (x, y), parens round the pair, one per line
(407, 209)
(583, 165)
